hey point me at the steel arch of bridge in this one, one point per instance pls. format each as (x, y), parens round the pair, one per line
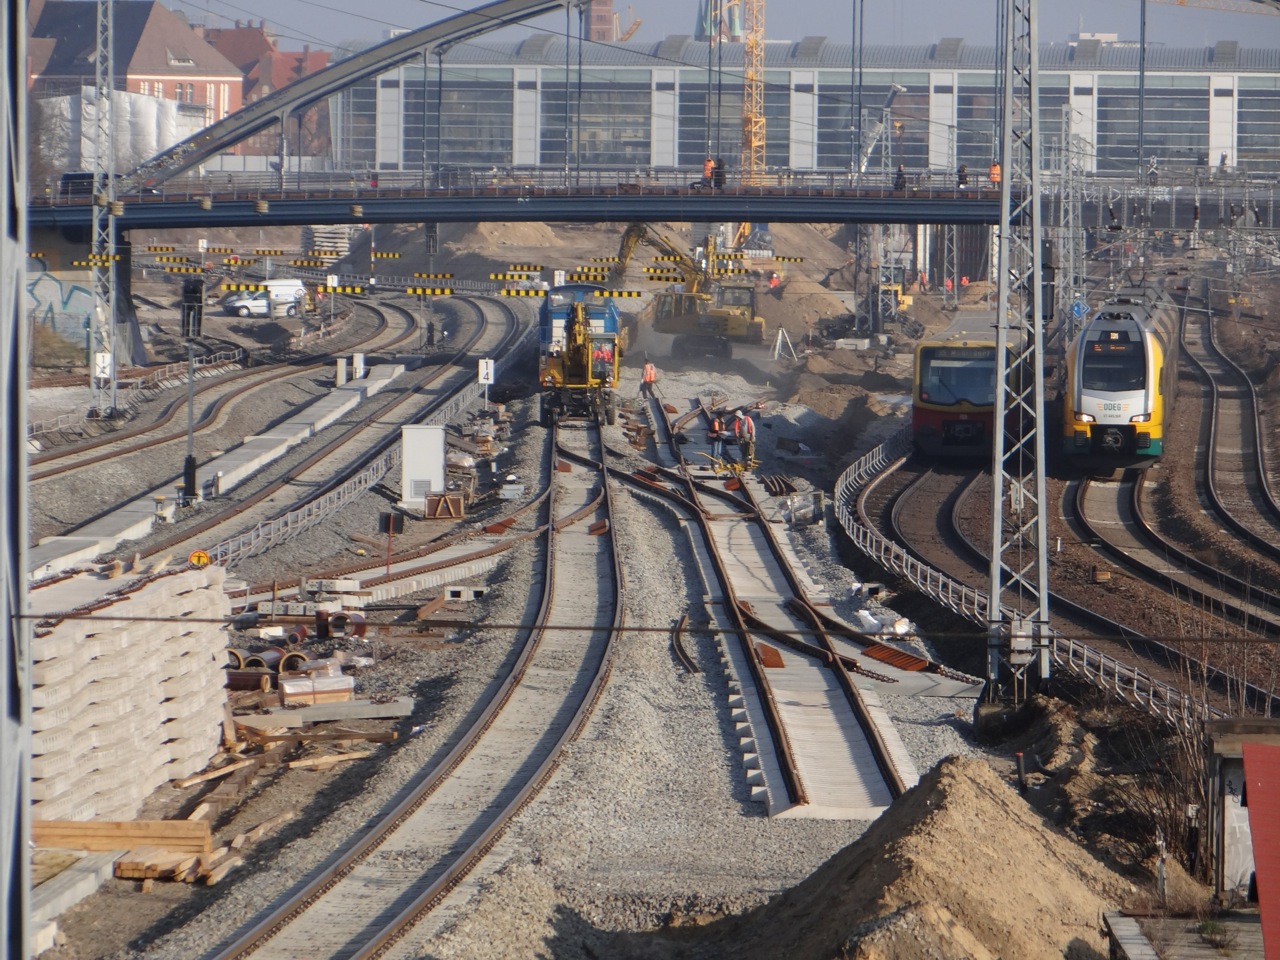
(323, 84)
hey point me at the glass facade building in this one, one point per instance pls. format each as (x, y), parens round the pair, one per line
(665, 105)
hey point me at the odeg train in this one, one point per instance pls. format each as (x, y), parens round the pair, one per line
(1122, 378)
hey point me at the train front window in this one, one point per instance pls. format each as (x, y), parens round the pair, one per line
(951, 375)
(1114, 367)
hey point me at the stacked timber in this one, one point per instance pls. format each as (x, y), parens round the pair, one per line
(128, 691)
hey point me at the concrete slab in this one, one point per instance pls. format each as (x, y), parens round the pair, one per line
(62, 892)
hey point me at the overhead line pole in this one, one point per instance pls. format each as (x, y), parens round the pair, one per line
(102, 352)
(1018, 611)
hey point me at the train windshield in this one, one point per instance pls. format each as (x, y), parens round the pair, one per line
(950, 375)
(1114, 366)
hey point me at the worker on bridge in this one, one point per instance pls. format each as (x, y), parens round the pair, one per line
(900, 178)
(993, 173)
(962, 177)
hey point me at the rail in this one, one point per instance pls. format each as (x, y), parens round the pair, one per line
(1127, 682)
(133, 394)
(272, 533)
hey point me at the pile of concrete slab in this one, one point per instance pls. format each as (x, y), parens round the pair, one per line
(128, 688)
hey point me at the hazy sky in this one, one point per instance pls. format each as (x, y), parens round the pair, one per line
(298, 22)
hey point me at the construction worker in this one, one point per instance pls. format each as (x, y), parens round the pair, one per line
(744, 429)
(962, 177)
(900, 178)
(993, 173)
(597, 361)
(717, 173)
(716, 435)
(648, 378)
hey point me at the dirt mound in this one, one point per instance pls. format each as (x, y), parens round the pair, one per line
(960, 867)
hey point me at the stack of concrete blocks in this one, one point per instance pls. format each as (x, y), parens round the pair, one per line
(129, 698)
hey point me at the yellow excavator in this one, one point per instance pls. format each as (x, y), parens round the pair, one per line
(706, 315)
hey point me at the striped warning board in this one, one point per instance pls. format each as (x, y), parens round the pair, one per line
(184, 269)
(268, 253)
(430, 291)
(731, 272)
(308, 263)
(595, 271)
(508, 276)
(234, 287)
(728, 256)
(617, 293)
(583, 277)
(605, 259)
(221, 250)
(522, 293)
(173, 259)
(669, 258)
(665, 278)
(239, 262)
(525, 267)
(379, 255)
(341, 289)
(433, 276)
(160, 248)
(789, 259)
(323, 253)
(35, 254)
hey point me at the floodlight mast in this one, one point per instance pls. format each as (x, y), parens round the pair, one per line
(1018, 606)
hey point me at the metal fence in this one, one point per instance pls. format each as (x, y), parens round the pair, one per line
(1125, 681)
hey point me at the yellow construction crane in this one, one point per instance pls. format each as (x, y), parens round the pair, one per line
(620, 35)
(753, 132)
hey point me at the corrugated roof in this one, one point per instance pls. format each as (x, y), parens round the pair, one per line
(1262, 792)
(811, 53)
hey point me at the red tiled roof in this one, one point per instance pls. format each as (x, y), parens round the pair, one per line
(1262, 793)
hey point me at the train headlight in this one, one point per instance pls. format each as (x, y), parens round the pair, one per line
(1086, 418)
(1141, 418)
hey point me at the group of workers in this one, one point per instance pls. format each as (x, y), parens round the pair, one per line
(741, 429)
(962, 176)
(712, 174)
(602, 361)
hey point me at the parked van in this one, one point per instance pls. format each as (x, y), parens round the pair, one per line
(279, 297)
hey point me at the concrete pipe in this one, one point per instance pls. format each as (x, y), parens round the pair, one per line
(262, 680)
(347, 625)
(293, 660)
(265, 660)
(236, 657)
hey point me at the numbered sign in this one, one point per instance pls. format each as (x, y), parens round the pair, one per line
(486, 371)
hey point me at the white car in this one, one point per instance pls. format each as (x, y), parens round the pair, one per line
(279, 296)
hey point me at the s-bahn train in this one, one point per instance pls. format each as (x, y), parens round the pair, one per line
(1122, 376)
(953, 399)
(580, 345)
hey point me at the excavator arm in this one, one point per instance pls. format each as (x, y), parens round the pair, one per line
(694, 276)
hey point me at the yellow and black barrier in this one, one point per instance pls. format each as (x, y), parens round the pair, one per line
(430, 291)
(327, 289)
(184, 269)
(160, 248)
(525, 267)
(522, 293)
(268, 253)
(433, 276)
(221, 250)
(243, 287)
(379, 255)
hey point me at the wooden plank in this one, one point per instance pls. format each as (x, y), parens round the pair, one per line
(221, 870)
(178, 835)
(213, 774)
(329, 760)
(335, 736)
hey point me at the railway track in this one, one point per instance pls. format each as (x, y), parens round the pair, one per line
(808, 682)
(298, 492)
(387, 893)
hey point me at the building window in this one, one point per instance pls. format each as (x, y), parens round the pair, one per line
(191, 93)
(144, 87)
(160, 89)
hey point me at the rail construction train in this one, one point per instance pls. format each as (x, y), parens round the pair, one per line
(1122, 378)
(953, 398)
(580, 345)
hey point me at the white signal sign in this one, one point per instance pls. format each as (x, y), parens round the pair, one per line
(331, 280)
(486, 371)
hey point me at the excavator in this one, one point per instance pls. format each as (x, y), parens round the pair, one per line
(706, 316)
(579, 352)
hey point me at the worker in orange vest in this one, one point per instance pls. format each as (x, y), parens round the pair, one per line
(993, 173)
(744, 428)
(716, 435)
(648, 378)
